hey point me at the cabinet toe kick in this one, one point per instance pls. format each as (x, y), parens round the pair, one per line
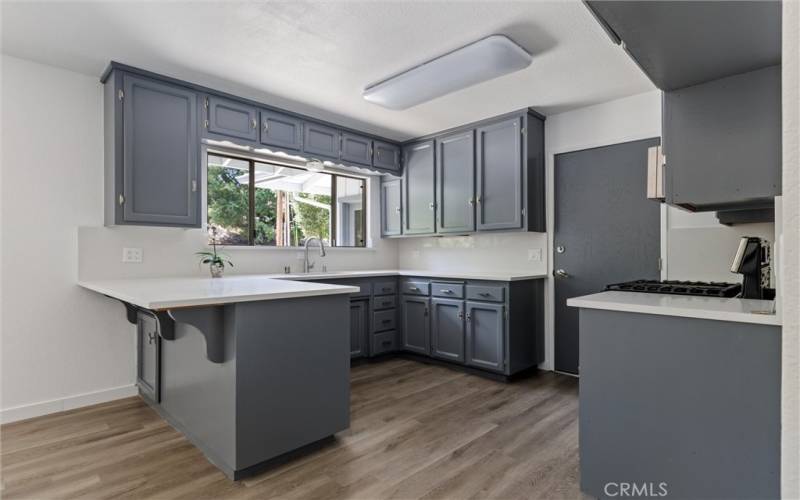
(210, 322)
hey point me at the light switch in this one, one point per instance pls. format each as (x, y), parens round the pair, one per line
(132, 255)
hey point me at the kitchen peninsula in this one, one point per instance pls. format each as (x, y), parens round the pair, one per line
(250, 369)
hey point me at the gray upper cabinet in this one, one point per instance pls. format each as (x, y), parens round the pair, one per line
(391, 208)
(455, 183)
(486, 336)
(722, 142)
(160, 147)
(499, 175)
(356, 149)
(321, 140)
(419, 216)
(447, 329)
(232, 119)
(416, 324)
(386, 156)
(280, 130)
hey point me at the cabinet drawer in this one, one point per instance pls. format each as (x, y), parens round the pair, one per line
(385, 302)
(416, 288)
(384, 287)
(384, 320)
(384, 342)
(451, 290)
(486, 293)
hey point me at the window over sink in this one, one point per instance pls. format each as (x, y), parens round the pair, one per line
(257, 203)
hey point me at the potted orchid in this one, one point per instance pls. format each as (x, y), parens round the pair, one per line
(216, 261)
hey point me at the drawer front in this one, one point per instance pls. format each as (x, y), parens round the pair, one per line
(384, 287)
(384, 320)
(451, 290)
(486, 293)
(384, 302)
(384, 342)
(416, 288)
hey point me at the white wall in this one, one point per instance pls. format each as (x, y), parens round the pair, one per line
(790, 256)
(63, 346)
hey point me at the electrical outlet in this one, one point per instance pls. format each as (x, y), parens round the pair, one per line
(535, 254)
(132, 255)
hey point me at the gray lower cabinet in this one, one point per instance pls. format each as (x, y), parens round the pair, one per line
(499, 175)
(485, 335)
(321, 140)
(356, 149)
(447, 329)
(280, 130)
(148, 364)
(391, 208)
(455, 183)
(416, 324)
(359, 328)
(419, 216)
(386, 156)
(231, 118)
(152, 153)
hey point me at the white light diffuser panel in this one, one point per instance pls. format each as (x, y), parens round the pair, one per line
(477, 62)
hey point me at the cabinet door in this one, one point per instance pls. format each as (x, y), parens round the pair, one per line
(455, 183)
(499, 182)
(391, 208)
(160, 165)
(419, 189)
(386, 156)
(232, 119)
(416, 324)
(148, 360)
(282, 131)
(359, 319)
(486, 335)
(356, 149)
(321, 140)
(447, 329)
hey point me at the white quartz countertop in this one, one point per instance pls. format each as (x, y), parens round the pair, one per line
(168, 293)
(737, 310)
(466, 275)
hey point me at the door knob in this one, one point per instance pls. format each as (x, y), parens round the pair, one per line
(560, 273)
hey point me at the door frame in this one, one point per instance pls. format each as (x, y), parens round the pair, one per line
(550, 160)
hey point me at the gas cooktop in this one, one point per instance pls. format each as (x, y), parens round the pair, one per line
(697, 288)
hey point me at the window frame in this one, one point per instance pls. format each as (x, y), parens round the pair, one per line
(251, 201)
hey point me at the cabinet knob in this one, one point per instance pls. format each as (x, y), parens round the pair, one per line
(478, 199)
(460, 314)
(254, 123)
(266, 126)
(471, 201)
(397, 209)
(447, 291)
(431, 205)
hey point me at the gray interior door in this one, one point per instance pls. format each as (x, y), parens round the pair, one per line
(606, 231)
(418, 189)
(455, 183)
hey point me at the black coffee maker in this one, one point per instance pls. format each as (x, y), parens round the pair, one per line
(752, 260)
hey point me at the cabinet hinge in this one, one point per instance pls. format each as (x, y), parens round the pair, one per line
(205, 104)
(522, 131)
(121, 199)
(121, 94)
(205, 123)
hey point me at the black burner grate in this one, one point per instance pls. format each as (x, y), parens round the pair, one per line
(697, 288)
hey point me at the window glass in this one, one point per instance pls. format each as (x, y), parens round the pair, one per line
(228, 199)
(350, 216)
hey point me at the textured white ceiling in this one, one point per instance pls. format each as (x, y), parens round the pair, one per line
(315, 58)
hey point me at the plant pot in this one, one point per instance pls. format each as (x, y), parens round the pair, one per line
(216, 270)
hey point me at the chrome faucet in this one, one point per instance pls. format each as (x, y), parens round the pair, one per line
(308, 266)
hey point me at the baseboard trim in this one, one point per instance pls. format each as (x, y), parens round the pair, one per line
(25, 412)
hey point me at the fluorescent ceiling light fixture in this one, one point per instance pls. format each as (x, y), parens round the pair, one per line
(488, 58)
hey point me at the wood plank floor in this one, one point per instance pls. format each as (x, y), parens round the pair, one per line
(417, 431)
